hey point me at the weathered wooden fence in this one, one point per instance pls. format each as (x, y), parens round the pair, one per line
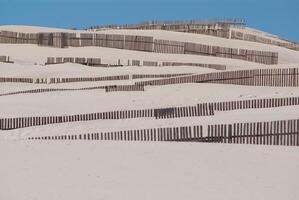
(255, 38)
(15, 80)
(287, 77)
(156, 113)
(141, 43)
(186, 133)
(134, 62)
(121, 88)
(166, 46)
(219, 28)
(83, 61)
(43, 90)
(5, 59)
(57, 80)
(283, 132)
(140, 76)
(149, 63)
(212, 66)
(202, 109)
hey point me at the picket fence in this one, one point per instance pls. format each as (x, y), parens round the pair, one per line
(219, 28)
(15, 80)
(140, 76)
(254, 38)
(43, 90)
(83, 61)
(143, 43)
(108, 88)
(57, 80)
(134, 62)
(286, 77)
(118, 88)
(175, 23)
(283, 132)
(211, 66)
(186, 133)
(5, 59)
(202, 109)
(156, 113)
(216, 28)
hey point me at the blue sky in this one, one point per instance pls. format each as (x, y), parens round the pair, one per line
(275, 16)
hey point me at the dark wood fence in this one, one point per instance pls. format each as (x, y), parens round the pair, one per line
(5, 59)
(139, 43)
(57, 80)
(212, 66)
(202, 109)
(284, 132)
(142, 43)
(287, 77)
(43, 90)
(186, 133)
(217, 29)
(140, 76)
(108, 88)
(134, 62)
(83, 61)
(255, 38)
(121, 88)
(156, 113)
(167, 46)
(255, 103)
(15, 80)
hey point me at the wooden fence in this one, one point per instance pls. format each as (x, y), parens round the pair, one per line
(83, 61)
(140, 76)
(186, 133)
(15, 80)
(255, 38)
(211, 66)
(108, 88)
(142, 43)
(43, 90)
(217, 29)
(156, 113)
(134, 62)
(263, 57)
(166, 46)
(139, 43)
(5, 59)
(288, 77)
(110, 41)
(80, 79)
(149, 63)
(284, 132)
(202, 109)
(122, 88)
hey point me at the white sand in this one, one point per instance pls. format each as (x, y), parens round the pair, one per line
(136, 170)
(92, 170)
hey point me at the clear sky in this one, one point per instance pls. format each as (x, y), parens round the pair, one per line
(275, 16)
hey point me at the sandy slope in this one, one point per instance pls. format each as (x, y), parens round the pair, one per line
(97, 100)
(80, 170)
